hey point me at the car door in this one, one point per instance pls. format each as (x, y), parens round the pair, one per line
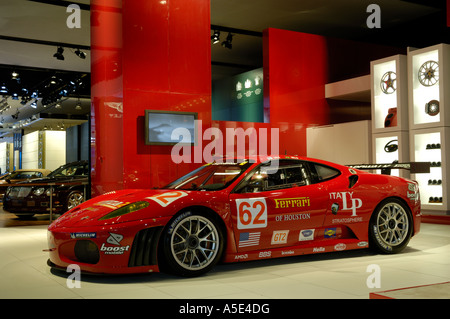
(279, 207)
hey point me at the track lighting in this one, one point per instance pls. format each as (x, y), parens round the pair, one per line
(227, 43)
(78, 105)
(59, 53)
(80, 54)
(215, 38)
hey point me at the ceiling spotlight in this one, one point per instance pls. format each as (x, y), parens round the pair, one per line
(14, 75)
(78, 105)
(215, 38)
(80, 54)
(16, 115)
(34, 104)
(59, 53)
(227, 43)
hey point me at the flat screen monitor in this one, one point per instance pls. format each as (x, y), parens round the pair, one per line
(159, 126)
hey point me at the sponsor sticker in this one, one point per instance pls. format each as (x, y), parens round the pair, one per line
(279, 237)
(292, 217)
(113, 204)
(296, 202)
(329, 233)
(348, 202)
(83, 235)
(340, 247)
(168, 198)
(306, 234)
(117, 248)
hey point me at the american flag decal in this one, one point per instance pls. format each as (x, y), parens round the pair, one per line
(249, 239)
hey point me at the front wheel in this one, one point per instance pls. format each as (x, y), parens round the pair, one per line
(390, 227)
(192, 244)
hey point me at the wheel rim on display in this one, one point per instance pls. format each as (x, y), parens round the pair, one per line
(195, 243)
(393, 224)
(74, 200)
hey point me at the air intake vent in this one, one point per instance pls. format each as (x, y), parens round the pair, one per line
(144, 250)
(352, 180)
(87, 252)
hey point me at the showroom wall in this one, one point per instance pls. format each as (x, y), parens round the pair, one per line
(148, 55)
(153, 55)
(44, 149)
(77, 143)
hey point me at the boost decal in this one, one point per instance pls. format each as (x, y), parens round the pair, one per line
(252, 213)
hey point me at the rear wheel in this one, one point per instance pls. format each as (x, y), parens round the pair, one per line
(390, 227)
(192, 244)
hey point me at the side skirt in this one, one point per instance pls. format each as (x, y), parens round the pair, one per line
(304, 249)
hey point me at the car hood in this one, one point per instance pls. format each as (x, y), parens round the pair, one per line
(56, 179)
(161, 203)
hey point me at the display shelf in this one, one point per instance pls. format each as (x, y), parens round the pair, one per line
(391, 147)
(431, 145)
(428, 81)
(389, 94)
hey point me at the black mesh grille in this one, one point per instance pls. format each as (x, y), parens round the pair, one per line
(144, 250)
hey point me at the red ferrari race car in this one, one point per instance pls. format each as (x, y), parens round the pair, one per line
(237, 211)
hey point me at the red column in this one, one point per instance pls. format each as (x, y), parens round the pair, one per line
(161, 57)
(295, 74)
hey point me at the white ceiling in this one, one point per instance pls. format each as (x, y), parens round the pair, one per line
(41, 20)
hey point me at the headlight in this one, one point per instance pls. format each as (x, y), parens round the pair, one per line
(39, 191)
(130, 208)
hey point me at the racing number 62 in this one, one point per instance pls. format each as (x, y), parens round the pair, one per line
(251, 213)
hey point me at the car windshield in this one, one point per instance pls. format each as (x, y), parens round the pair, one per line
(72, 170)
(23, 175)
(213, 176)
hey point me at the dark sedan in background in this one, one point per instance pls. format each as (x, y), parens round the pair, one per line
(20, 175)
(31, 197)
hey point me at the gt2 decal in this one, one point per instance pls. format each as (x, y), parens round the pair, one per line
(166, 199)
(346, 198)
(279, 237)
(251, 213)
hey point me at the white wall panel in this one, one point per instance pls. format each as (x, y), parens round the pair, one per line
(55, 149)
(30, 148)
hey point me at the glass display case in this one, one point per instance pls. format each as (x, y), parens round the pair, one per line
(390, 148)
(428, 72)
(389, 94)
(430, 145)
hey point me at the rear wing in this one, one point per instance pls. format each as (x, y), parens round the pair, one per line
(413, 167)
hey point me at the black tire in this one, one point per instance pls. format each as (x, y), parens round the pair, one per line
(390, 226)
(192, 244)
